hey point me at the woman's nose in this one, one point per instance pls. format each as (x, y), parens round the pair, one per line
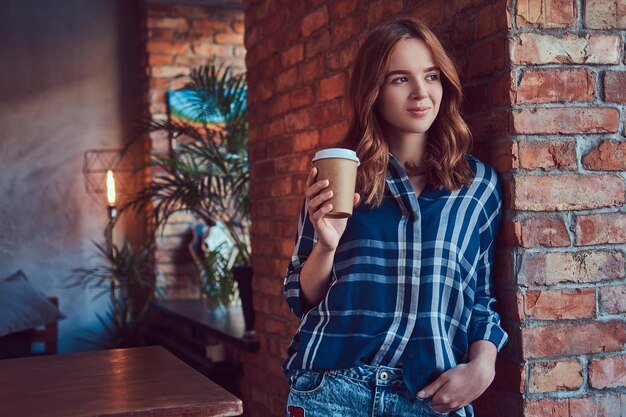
(418, 91)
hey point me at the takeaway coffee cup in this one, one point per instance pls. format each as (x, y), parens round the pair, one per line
(338, 166)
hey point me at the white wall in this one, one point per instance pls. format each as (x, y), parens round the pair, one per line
(69, 75)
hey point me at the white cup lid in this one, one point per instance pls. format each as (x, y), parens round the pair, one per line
(336, 153)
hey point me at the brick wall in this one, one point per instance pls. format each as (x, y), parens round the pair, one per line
(180, 37)
(567, 229)
(544, 83)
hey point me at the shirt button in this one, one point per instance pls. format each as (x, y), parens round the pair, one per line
(384, 376)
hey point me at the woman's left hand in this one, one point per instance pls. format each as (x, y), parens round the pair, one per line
(460, 385)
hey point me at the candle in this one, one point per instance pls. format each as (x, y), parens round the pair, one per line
(110, 189)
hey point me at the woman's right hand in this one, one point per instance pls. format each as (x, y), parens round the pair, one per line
(328, 230)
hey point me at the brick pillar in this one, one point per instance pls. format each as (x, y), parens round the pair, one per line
(568, 226)
(545, 108)
(181, 37)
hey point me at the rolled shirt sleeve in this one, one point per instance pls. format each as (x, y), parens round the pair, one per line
(305, 239)
(485, 321)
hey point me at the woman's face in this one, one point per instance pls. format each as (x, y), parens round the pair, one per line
(410, 97)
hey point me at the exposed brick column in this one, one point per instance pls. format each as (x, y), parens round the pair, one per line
(567, 204)
(545, 109)
(181, 37)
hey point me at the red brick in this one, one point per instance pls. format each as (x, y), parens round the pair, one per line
(378, 9)
(573, 339)
(281, 146)
(178, 24)
(615, 86)
(279, 105)
(545, 230)
(297, 120)
(561, 304)
(302, 97)
(546, 13)
(293, 164)
(564, 85)
(609, 405)
(490, 20)
(259, 11)
(210, 25)
(286, 80)
(263, 169)
(431, 12)
(333, 134)
(274, 128)
(168, 71)
(546, 408)
(161, 35)
(348, 28)
(325, 113)
(318, 43)
(311, 69)
(160, 59)
(229, 38)
(342, 8)
(555, 376)
(331, 87)
(274, 26)
(531, 48)
(565, 120)
(609, 372)
(567, 192)
(578, 267)
(613, 299)
(292, 55)
(344, 57)
(608, 156)
(605, 14)
(313, 21)
(206, 49)
(305, 141)
(171, 48)
(601, 228)
(559, 155)
(503, 156)
(487, 57)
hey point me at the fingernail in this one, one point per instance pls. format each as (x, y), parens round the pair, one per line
(421, 393)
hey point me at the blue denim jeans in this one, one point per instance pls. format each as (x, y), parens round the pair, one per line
(374, 391)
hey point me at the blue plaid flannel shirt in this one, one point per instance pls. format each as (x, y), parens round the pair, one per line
(411, 282)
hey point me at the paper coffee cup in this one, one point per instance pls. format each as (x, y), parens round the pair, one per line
(338, 166)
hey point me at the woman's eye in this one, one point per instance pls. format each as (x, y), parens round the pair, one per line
(432, 77)
(399, 80)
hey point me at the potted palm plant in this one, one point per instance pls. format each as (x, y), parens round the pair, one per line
(126, 274)
(207, 172)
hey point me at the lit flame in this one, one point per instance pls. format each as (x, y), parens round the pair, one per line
(110, 188)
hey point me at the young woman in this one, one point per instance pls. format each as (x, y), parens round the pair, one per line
(397, 301)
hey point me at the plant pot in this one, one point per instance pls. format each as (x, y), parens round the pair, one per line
(242, 274)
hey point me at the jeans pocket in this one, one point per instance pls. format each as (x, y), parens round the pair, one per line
(308, 382)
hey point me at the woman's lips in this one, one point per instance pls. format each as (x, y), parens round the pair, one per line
(418, 111)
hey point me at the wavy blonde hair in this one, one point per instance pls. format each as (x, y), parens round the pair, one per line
(449, 138)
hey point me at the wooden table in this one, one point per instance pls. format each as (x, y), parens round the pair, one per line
(144, 381)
